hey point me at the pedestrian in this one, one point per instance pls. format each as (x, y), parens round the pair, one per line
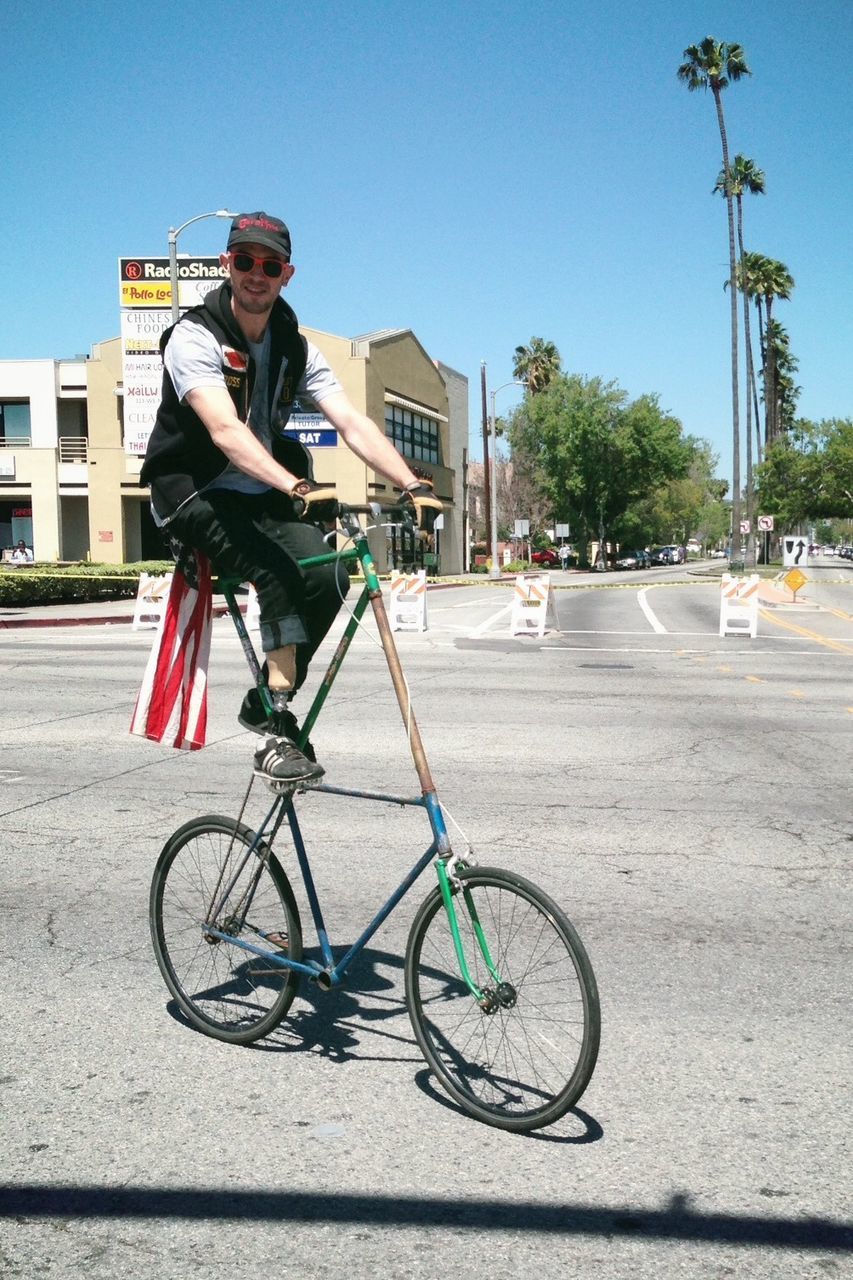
(22, 554)
(563, 553)
(226, 481)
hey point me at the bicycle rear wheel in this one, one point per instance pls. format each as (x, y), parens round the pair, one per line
(224, 990)
(524, 1061)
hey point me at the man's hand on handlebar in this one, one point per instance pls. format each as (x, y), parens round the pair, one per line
(314, 501)
(426, 505)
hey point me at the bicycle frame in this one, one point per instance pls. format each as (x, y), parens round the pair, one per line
(329, 974)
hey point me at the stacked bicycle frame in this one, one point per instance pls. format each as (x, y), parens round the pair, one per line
(499, 988)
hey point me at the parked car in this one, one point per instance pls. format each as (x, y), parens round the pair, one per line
(548, 557)
(665, 555)
(636, 559)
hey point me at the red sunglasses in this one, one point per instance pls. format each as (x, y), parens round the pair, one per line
(244, 262)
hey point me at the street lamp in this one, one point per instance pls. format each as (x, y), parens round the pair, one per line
(173, 254)
(495, 571)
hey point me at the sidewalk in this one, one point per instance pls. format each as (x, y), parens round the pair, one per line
(78, 613)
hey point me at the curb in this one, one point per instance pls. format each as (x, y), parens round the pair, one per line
(62, 622)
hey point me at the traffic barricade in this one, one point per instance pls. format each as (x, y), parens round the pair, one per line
(408, 609)
(533, 610)
(151, 596)
(739, 605)
(253, 609)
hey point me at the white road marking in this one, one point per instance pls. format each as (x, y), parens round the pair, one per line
(651, 617)
(491, 621)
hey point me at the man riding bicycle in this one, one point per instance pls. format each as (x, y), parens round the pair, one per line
(226, 480)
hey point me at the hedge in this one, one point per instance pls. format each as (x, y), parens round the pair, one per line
(66, 584)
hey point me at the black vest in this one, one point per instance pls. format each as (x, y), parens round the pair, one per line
(181, 457)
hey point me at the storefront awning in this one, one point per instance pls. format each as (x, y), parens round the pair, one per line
(423, 409)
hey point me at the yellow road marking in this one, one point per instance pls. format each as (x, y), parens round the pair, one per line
(835, 645)
(724, 668)
(756, 679)
(796, 693)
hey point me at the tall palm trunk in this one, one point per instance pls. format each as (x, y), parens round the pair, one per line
(736, 535)
(762, 348)
(771, 426)
(750, 487)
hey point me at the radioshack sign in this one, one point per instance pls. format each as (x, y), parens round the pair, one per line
(146, 282)
(145, 296)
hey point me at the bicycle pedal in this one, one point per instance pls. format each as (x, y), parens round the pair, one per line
(282, 788)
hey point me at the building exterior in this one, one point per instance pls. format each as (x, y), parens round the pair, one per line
(70, 488)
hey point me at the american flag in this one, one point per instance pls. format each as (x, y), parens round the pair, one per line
(172, 703)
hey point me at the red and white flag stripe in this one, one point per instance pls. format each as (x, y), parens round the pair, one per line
(172, 703)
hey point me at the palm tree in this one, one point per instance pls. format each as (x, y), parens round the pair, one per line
(744, 283)
(745, 175)
(714, 65)
(768, 279)
(785, 365)
(536, 364)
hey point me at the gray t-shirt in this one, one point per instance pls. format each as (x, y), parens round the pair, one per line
(193, 359)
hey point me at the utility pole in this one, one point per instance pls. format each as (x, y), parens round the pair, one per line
(487, 496)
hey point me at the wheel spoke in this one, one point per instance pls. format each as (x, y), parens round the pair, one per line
(224, 989)
(517, 1065)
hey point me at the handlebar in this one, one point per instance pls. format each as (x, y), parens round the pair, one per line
(348, 513)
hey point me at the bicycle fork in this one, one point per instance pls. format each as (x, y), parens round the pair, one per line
(503, 994)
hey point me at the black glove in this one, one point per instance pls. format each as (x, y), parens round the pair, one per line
(427, 506)
(314, 501)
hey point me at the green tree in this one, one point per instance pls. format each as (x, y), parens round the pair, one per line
(688, 505)
(591, 453)
(536, 364)
(714, 65)
(807, 473)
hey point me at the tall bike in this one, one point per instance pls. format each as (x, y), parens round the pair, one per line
(500, 991)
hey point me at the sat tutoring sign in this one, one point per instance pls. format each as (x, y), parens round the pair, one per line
(312, 430)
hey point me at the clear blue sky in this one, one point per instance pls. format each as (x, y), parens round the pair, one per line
(477, 172)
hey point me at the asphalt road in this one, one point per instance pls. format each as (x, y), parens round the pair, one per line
(685, 798)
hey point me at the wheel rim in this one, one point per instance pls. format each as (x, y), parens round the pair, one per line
(217, 982)
(528, 1058)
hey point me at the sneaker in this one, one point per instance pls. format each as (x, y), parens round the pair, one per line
(280, 760)
(253, 717)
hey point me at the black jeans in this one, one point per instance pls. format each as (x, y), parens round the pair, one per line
(257, 538)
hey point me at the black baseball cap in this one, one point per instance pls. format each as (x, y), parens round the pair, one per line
(260, 228)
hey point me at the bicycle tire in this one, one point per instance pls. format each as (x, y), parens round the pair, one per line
(520, 1067)
(225, 991)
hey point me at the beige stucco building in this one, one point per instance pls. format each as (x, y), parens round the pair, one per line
(70, 489)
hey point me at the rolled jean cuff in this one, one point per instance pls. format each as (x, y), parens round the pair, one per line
(282, 631)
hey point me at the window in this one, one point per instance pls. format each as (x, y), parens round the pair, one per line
(416, 436)
(15, 422)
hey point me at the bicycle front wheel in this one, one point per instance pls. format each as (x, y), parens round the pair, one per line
(225, 990)
(521, 1057)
